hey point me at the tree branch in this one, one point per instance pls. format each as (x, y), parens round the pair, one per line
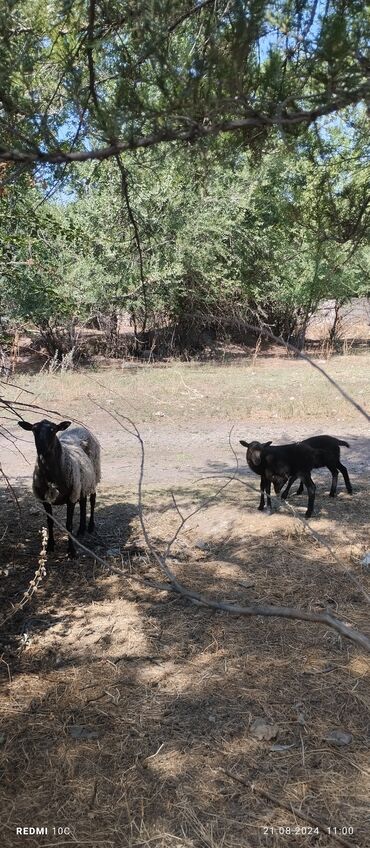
(89, 52)
(190, 13)
(132, 218)
(196, 131)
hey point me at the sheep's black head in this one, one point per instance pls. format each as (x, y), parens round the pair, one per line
(253, 455)
(44, 433)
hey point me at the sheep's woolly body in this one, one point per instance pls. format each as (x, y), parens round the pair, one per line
(79, 464)
(81, 436)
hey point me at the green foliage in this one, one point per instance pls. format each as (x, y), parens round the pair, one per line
(274, 217)
(76, 75)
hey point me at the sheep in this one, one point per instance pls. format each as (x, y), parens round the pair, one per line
(328, 456)
(284, 462)
(67, 470)
(331, 447)
(254, 461)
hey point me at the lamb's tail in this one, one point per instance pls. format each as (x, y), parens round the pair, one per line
(344, 444)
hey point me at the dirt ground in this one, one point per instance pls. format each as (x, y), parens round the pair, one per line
(128, 715)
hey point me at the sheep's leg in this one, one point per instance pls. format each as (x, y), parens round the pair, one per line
(49, 512)
(286, 491)
(300, 488)
(69, 526)
(268, 493)
(262, 498)
(92, 508)
(334, 481)
(82, 528)
(311, 489)
(343, 470)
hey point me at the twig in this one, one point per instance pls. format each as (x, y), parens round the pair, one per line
(265, 331)
(285, 805)
(34, 583)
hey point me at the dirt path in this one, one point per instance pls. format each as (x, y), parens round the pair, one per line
(176, 455)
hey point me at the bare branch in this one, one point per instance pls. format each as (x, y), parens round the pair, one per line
(132, 218)
(89, 52)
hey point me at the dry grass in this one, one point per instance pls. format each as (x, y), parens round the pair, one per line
(165, 693)
(278, 389)
(123, 708)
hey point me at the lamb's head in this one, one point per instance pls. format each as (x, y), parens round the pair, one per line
(254, 451)
(44, 434)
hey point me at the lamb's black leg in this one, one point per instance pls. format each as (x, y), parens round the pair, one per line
(343, 470)
(286, 491)
(48, 509)
(69, 526)
(334, 481)
(82, 528)
(262, 489)
(92, 508)
(268, 493)
(311, 489)
(300, 488)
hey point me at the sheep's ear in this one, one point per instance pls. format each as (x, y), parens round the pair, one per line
(266, 444)
(25, 425)
(63, 425)
(245, 444)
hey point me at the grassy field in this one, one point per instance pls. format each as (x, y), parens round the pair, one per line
(282, 389)
(128, 714)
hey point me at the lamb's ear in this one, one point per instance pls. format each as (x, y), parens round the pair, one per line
(25, 425)
(266, 444)
(245, 444)
(63, 425)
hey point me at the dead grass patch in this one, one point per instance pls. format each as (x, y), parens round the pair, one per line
(123, 707)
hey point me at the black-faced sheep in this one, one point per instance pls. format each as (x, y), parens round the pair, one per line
(283, 462)
(326, 454)
(67, 470)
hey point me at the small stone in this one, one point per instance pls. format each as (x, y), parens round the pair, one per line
(113, 552)
(79, 731)
(262, 730)
(338, 738)
(201, 544)
(366, 560)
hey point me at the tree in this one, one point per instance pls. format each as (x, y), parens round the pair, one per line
(89, 80)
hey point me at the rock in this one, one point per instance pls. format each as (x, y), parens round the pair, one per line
(80, 731)
(113, 552)
(366, 560)
(201, 544)
(338, 738)
(260, 729)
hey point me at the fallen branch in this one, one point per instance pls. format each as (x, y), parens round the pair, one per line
(195, 597)
(285, 805)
